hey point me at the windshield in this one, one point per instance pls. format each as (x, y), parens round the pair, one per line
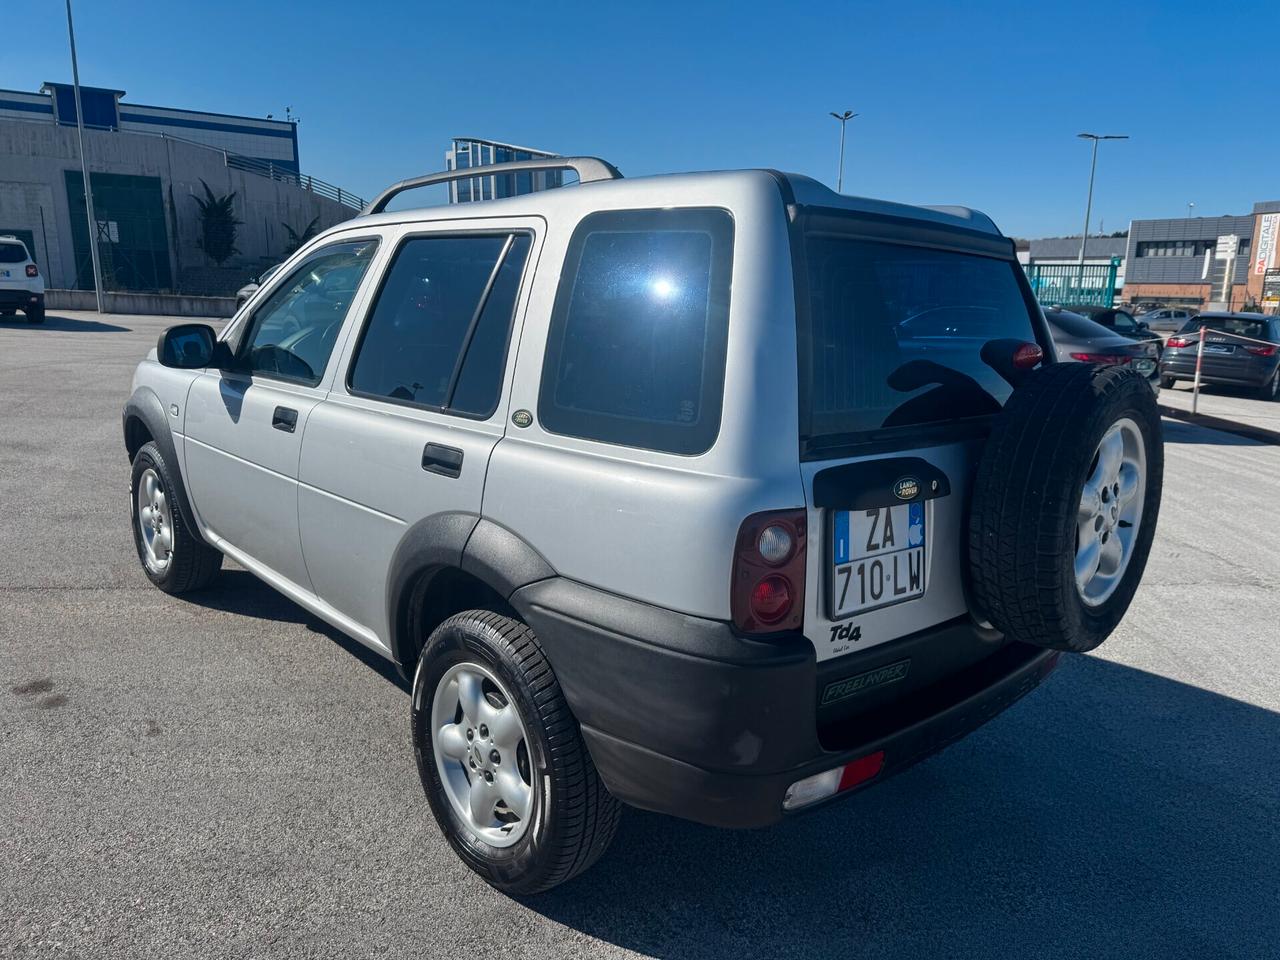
(895, 334)
(1238, 325)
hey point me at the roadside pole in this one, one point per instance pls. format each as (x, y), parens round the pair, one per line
(1195, 389)
(84, 169)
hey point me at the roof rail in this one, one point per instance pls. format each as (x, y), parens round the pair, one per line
(588, 170)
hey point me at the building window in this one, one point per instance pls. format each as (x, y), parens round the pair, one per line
(1175, 248)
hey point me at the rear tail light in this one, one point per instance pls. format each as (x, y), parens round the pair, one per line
(767, 592)
(1262, 351)
(1106, 359)
(1178, 342)
(32, 271)
(1027, 356)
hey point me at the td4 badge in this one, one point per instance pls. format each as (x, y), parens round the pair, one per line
(844, 634)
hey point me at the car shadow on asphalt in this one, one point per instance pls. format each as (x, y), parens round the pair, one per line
(64, 324)
(1112, 813)
(238, 591)
(1178, 431)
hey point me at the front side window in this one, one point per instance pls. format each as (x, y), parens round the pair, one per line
(636, 350)
(292, 334)
(896, 335)
(437, 336)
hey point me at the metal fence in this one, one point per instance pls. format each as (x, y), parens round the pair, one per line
(1093, 284)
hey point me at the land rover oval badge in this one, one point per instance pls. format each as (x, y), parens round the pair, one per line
(522, 418)
(906, 488)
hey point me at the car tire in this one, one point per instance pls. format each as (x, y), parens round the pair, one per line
(1271, 389)
(175, 558)
(1062, 518)
(568, 817)
(35, 314)
(1168, 382)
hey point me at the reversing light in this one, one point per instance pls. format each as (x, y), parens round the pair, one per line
(810, 790)
(775, 544)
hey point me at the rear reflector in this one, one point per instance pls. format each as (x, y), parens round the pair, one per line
(810, 790)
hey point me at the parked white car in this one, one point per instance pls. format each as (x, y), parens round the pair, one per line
(21, 286)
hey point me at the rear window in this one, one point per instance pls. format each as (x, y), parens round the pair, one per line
(1074, 325)
(1237, 325)
(11, 252)
(895, 334)
(636, 351)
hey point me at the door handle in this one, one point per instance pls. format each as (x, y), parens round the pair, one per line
(446, 461)
(285, 419)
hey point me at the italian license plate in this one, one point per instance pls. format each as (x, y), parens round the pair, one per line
(1219, 348)
(878, 558)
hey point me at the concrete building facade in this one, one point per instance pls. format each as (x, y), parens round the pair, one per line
(1228, 262)
(146, 181)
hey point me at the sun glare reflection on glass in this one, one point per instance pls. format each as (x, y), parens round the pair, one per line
(663, 288)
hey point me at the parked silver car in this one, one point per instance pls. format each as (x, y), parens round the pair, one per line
(1076, 337)
(1166, 319)
(721, 495)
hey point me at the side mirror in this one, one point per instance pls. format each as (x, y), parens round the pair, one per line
(1144, 326)
(187, 346)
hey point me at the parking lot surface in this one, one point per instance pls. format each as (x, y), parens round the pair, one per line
(223, 775)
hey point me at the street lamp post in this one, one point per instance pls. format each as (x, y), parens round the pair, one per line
(1191, 205)
(844, 118)
(84, 168)
(1088, 206)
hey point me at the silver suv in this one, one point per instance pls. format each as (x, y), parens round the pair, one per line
(720, 495)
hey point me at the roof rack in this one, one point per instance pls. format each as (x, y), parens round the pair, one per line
(588, 169)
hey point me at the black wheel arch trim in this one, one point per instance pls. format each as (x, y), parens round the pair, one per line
(457, 540)
(146, 407)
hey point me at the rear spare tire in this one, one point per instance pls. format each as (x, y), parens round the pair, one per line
(1065, 504)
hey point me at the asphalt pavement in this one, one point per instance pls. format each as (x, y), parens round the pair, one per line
(224, 776)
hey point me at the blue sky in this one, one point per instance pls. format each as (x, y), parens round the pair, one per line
(972, 103)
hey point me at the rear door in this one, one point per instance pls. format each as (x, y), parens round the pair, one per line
(407, 430)
(905, 356)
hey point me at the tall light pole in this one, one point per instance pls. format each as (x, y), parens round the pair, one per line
(844, 118)
(84, 167)
(1191, 205)
(1088, 206)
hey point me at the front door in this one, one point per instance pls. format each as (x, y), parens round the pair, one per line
(407, 430)
(244, 424)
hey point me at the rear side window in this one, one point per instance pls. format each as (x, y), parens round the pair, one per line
(893, 335)
(636, 350)
(12, 253)
(437, 336)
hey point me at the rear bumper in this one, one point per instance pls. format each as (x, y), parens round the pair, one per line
(685, 718)
(14, 299)
(1242, 373)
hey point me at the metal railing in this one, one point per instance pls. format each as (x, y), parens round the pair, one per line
(263, 168)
